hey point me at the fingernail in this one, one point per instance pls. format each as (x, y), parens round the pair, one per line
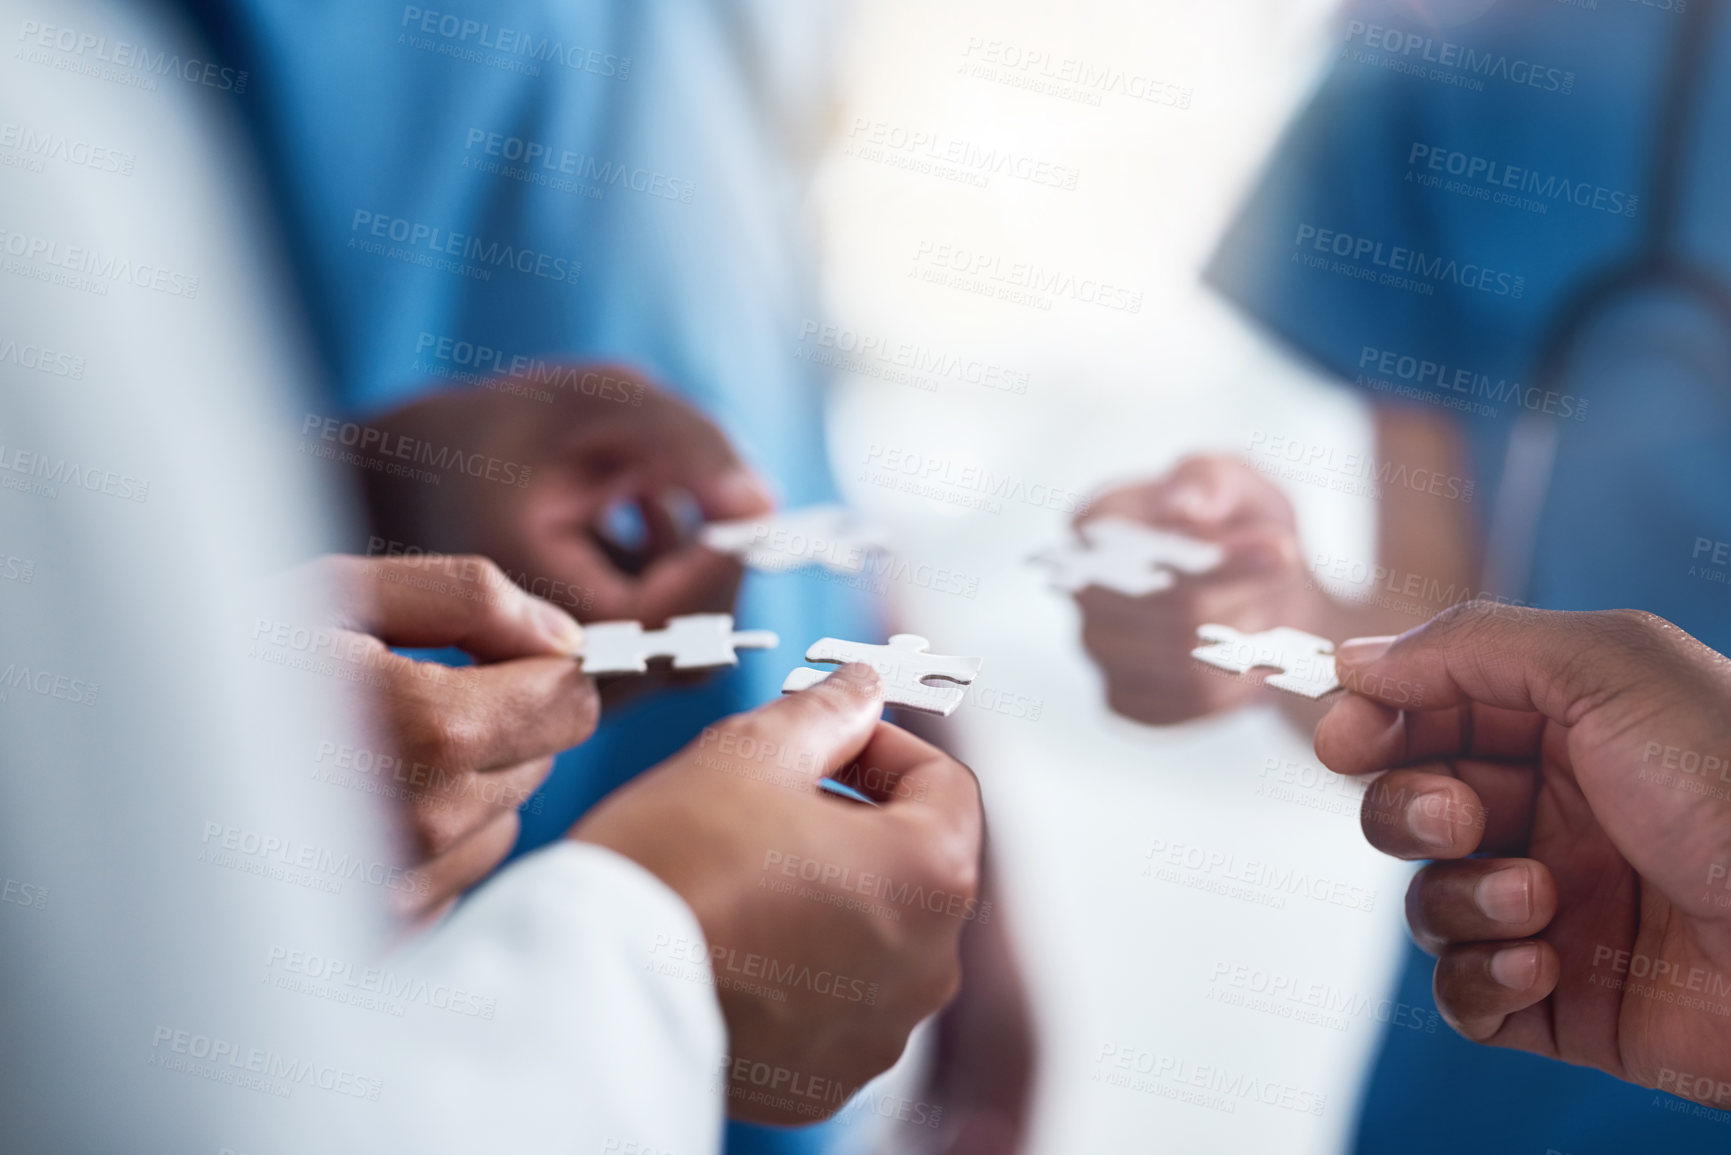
(1506, 895)
(1517, 967)
(1427, 818)
(1359, 651)
(557, 626)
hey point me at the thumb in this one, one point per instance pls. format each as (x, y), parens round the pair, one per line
(818, 730)
(1514, 658)
(1628, 687)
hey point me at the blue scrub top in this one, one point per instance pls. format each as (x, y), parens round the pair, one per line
(586, 181)
(1438, 208)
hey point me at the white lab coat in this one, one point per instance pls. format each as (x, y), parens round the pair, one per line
(193, 951)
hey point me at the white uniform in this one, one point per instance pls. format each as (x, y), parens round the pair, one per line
(194, 865)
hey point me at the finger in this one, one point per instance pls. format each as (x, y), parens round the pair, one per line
(1258, 550)
(1504, 656)
(937, 797)
(447, 876)
(691, 451)
(823, 728)
(1360, 735)
(1412, 814)
(1480, 985)
(1479, 900)
(461, 601)
(1608, 685)
(1213, 492)
(456, 805)
(690, 580)
(489, 717)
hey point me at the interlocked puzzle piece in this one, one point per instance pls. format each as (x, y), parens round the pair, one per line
(1123, 555)
(1305, 661)
(694, 642)
(904, 665)
(826, 535)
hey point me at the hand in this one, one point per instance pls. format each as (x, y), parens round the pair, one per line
(608, 438)
(812, 885)
(1587, 755)
(987, 1047)
(475, 742)
(1143, 645)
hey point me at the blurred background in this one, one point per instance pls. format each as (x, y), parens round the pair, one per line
(946, 396)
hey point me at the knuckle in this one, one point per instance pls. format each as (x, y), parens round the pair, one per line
(440, 819)
(484, 582)
(457, 741)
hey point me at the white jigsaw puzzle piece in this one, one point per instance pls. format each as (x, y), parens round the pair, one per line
(693, 641)
(1126, 556)
(904, 665)
(827, 535)
(1305, 661)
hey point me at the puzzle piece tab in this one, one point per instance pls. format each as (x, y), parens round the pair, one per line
(903, 664)
(1305, 661)
(826, 535)
(1123, 555)
(694, 642)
